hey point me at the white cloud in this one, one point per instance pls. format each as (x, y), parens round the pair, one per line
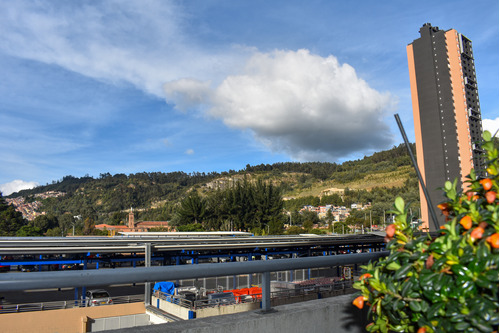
(15, 186)
(141, 43)
(491, 125)
(187, 93)
(189, 152)
(311, 107)
(308, 106)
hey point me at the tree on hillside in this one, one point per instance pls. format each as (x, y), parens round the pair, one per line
(309, 218)
(10, 219)
(192, 209)
(66, 223)
(29, 231)
(45, 222)
(356, 219)
(295, 230)
(269, 206)
(88, 226)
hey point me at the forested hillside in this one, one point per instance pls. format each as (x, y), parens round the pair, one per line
(248, 199)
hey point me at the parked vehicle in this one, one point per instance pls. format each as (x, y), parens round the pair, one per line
(28, 268)
(66, 267)
(97, 297)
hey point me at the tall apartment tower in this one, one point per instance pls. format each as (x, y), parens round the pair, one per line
(446, 111)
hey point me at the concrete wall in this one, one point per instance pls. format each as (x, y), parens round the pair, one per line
(186, 314)
(65, 320)
(335, 314)
(171, 308)
(226, 309)
(109, 323)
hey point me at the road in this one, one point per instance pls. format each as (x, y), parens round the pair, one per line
(64, 294)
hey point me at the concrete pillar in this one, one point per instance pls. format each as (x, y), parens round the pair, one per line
(147, 263)
(266, 291)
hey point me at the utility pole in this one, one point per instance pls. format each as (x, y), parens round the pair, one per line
(371, 226)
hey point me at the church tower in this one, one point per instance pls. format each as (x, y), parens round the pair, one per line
(131, 223)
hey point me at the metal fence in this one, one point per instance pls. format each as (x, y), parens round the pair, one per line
(57, 305)
(316, 286)
(39, 280)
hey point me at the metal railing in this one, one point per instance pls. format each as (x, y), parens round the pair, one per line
(57, 305)
(91, 278)
(299, 290)
(181, 301)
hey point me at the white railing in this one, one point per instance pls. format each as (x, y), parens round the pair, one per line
(57, 305)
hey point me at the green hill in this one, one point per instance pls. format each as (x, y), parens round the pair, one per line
(157, 196)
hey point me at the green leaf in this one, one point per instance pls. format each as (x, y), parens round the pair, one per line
(461, 271)
(447, 185)
(424, 305)
(433, 311)
(480, 324)
(482, 251)
(393, 266)
(487, 136)
(462, 325)
(483, 282)
(399, 204)
(406, 288)
(432, 295)
(473, 175)
(415, 306)
(436, 247)
(426, 279)
(403, 271)
(439, 282)
(492, 275)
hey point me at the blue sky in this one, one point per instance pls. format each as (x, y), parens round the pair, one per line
(91, 87)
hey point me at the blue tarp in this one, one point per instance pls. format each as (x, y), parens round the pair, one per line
(165, 287)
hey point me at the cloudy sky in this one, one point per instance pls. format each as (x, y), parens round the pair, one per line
(90, 87)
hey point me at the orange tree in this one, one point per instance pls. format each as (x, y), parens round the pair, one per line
(447, 283)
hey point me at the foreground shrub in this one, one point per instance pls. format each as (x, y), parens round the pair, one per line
(448, 283)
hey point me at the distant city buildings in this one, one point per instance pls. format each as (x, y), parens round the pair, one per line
(446, 111)
(30, 209)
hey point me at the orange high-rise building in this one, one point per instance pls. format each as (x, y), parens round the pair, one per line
(446, 111)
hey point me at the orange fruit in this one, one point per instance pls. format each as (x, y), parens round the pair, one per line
(390, 230)
(493, 240)
(491, 196)
(487, 184)
(422, 330)
(365, 276)
(477, 233)
(466, 222)
(359, 302)
(443, 206)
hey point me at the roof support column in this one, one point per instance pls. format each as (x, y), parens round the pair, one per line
(266, 291)
(147, 263)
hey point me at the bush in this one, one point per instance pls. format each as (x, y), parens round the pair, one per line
(444, 284)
